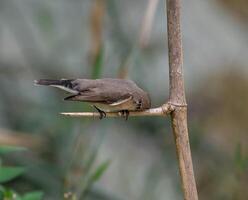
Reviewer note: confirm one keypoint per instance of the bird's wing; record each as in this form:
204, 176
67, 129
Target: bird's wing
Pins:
122, 102
101, 95
126, 104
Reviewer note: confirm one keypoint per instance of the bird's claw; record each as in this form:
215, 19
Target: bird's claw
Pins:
125, 113
102, 113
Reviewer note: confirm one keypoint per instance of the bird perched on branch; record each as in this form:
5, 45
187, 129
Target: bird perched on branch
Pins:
106, 95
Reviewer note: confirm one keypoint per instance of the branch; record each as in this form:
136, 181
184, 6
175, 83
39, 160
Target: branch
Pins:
177, 98
160, 111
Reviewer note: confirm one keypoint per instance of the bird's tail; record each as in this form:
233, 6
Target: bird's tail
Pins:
64, 84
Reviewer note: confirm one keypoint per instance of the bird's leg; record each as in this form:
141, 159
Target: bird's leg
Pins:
125, 113
102, 113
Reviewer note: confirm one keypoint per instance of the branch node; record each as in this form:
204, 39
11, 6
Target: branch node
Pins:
167, 108
173, 105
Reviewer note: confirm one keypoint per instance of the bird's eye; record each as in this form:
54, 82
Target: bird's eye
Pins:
74, 84
139, 104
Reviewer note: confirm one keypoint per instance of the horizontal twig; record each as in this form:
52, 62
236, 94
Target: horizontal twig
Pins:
159, 111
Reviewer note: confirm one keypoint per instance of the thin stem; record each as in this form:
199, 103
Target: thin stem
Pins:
177, 98
160, 111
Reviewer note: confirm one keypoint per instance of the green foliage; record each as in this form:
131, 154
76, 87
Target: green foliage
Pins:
33, 196
4, 149
97, 174
44, 19
240, 160
89, 180
9, 194
97, 65
11, 173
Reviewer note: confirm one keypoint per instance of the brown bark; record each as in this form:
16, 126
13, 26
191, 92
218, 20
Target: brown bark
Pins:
178, 100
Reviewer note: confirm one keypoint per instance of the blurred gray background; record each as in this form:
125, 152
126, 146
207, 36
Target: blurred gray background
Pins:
125, 39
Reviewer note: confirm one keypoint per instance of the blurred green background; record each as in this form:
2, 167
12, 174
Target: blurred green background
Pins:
111, 159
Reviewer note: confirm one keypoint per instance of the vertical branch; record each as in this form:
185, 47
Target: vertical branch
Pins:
177, 94
177, 98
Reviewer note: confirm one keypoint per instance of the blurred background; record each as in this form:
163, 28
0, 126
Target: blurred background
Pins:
111, 159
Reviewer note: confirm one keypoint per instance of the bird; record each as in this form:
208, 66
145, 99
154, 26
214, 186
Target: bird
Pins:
105, 95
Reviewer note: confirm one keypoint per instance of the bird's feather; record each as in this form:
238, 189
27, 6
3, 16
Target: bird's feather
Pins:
126, 104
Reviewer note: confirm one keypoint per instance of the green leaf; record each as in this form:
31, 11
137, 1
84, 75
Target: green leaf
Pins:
9, 173
97, 66
99, 171
10, 194
241, 161
9, 149
238, 157
95, 176
2, 189
37, 195
1, 194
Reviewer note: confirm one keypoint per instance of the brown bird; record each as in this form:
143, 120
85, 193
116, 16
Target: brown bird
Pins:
106, 95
